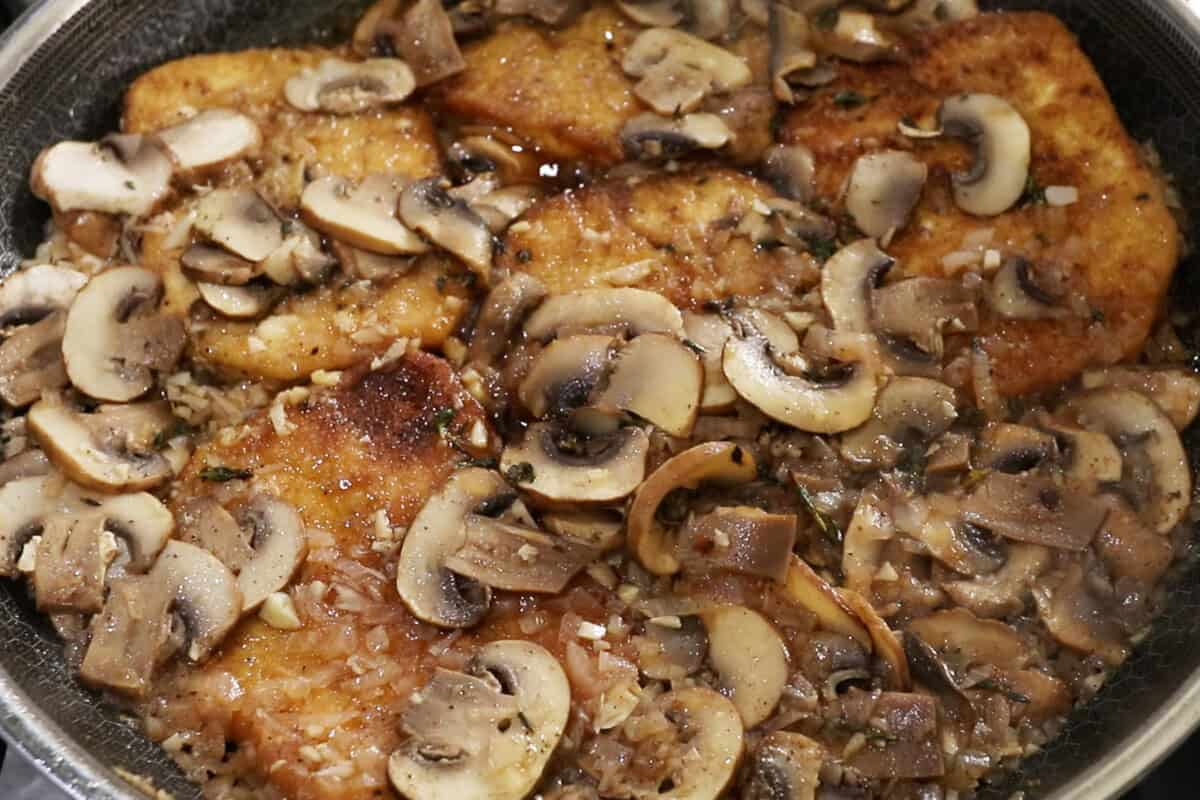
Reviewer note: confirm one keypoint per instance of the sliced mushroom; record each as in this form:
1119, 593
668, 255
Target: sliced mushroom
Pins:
485, 734
451, 224
862, 548
556, 13
1032, 508
300, 259
210, 140
709, 332
367, 266
908, 412
569, 467
738, 539
749, 658
24, 505
976, 641
719, 463
209, 264
651, 137
1076, 618
1000, 138
786, 766
1087, 456
564, 374
503, 312
424, 37
251, 301
964, 547
120, 174
279, 542
855, 36
883, 639
1004, 592
809, 590
1018, 291
516, 558
791, 170
711, 728
789, 50
911, 317
603, 529
27, 464
432, 592
922, 15
653, 13
114, 342
883, 191
31, 360
363, 215
678, 70
907, 744
630, 311
837, 401
847, 283
30, 294
205, 523
111, 450
1175, 390
656, 378
345, 87
188, 593
1155, 464
1013, 448
240, 221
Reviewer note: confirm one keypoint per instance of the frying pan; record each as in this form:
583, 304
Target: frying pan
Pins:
63, 68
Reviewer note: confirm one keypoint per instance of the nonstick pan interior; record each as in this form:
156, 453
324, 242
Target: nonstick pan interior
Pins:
71, 87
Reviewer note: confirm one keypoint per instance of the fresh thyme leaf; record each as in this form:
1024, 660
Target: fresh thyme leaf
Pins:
822, 249
849, 99
1034, 194
829, 529
520, 473
221, 474
695, 348
442, 419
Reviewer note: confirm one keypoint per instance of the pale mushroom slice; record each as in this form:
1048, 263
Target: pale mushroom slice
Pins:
251, 301
500, 318
711, 728
909, 412
429, 590
206, 263
449, 223
678, 70
710, 332
487, 733
279, 543
1087, 456
422, 34
564, 374
630, 311
565, 466
210, 140
786, 766
1020, 290
884, 189
654, 137
1176, 390
1001, 140
240, 221
848, 280
855, 36
115, 341
301, 258
789, 52
362, 215
883, 639
30, 294
120, 174
111, 450
656, 378
31, 361
1155, 463
517, 558
24, 505
188, 595
1033, 508
749, 658
791, 171
719, 463
822, 400
348, 87
809, 590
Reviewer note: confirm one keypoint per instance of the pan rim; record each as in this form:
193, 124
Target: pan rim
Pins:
27, 728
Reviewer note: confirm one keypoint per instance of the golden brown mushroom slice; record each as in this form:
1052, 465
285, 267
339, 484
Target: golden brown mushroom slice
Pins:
656, 378
809, 590
486, 733
721, 463
345, 87
749, 658
516, 558
739, 539
362, 214
1176, 390
785, 766
711, 730
188, 589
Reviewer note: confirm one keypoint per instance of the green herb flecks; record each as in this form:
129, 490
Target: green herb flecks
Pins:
848, 99
176, 429
1034, 194
442, 419
221, 474
520, 473
822, 249
829, 529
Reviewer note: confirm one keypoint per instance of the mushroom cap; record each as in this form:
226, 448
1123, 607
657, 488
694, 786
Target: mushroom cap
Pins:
239, 302
883, 191
1015, 293
204, 592
653, 137
103, 357
786, 766
211, 139
678, 70
809, 405
121, 174
809, 590
1145, 433
721, 463
906, 407
432, 592
788, 33
449, 223
22, 509
240, 221
633, 311
791, 170
31, 293
610, 466
209, 264
1001, 140
488, 734
517, 558
31, 360
280, 544
98, 455
502, 313
1176, 390
348, 87
714, 728
363, 216
657, 378
750, 660
710, 332
564, 374
847, 281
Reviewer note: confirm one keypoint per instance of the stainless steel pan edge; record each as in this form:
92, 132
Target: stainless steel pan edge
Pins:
57, 752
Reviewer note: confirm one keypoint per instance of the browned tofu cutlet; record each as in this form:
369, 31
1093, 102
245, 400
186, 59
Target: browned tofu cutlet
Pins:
1120, 238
